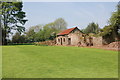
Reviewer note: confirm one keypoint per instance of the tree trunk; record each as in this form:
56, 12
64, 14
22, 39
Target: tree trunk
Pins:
4, 31
4, 40
0, 35
0, 30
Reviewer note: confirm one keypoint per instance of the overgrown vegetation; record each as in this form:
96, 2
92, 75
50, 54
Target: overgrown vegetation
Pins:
92, 28
40, 33
113, 29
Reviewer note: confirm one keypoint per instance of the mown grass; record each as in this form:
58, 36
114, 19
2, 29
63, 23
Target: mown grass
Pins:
29, 61
0, 62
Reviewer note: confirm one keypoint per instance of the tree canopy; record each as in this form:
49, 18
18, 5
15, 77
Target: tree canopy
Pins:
12, 18
92, 28
44, 32
18, 38
114, 24
49, 31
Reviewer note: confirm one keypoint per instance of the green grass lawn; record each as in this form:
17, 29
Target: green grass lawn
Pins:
0, 62
29, 61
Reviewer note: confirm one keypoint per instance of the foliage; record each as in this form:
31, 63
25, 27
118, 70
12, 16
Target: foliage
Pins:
114, 24
45, 32
12, 18
60, 24
92, 28
40, 44
30, 34
20, 43
18, 38
45, 43
107, 30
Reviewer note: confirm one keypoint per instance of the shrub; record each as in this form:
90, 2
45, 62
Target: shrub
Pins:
20, 43
45, 43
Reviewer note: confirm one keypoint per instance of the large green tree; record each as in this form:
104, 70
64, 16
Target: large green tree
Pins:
60, 24
12, 18
114, 25
115, 21
92, 28
46, 33
30, 34
18, 38
49, 31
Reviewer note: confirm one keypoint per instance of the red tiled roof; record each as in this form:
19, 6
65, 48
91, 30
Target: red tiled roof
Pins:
67, 31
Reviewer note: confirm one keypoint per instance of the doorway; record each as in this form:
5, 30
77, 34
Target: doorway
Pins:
61, 41
69, 41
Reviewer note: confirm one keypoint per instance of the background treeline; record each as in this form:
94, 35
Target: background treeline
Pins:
92, 28
40, 32
48, 31
111, 30
13, 20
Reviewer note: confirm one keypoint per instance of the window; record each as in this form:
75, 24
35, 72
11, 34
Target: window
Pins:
58, 40
64, 39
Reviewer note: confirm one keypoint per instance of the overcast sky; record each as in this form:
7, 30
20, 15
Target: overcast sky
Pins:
78, 14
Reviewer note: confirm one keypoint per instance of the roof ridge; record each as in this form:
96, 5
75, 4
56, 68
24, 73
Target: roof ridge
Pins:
67, 31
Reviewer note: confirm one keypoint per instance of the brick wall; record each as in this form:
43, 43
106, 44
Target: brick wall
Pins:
97, 41
75, 38
71, 39
62, 40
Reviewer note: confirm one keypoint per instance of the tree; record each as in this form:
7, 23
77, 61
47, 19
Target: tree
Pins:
18, 38
92, 28
114, 25
37, 28
60, 24
30, 34
49, 31
44, 34
115, 21
12, 18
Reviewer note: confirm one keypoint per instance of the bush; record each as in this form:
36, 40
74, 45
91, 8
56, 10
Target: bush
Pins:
41, 45
20, 43
45, 43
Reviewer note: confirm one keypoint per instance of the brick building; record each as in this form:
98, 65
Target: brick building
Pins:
70, 36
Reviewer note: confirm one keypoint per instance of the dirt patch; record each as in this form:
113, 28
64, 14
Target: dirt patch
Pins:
112, 46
